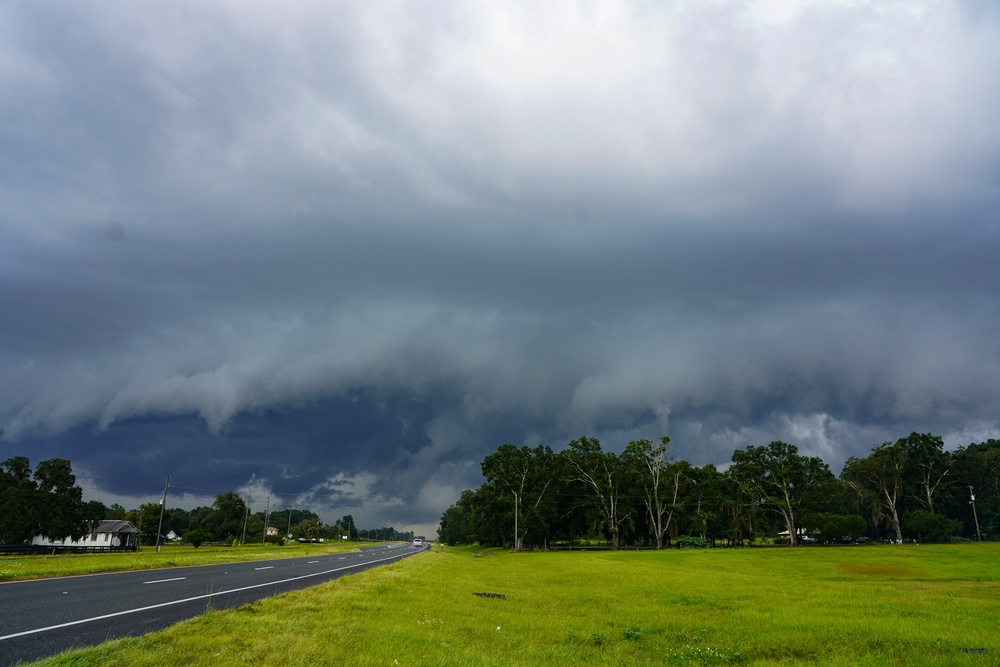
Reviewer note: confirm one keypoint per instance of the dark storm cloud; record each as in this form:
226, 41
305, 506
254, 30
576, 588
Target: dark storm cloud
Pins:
339, 254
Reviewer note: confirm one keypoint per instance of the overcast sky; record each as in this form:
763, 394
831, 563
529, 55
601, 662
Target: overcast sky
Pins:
335, 253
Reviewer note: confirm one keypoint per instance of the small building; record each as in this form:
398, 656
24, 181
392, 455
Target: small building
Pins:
271, 530
104, 535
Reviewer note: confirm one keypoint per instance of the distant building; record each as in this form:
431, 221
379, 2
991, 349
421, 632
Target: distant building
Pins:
271, 530
107, 534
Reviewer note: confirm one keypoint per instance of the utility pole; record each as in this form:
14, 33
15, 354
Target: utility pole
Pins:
515, 519
163, 507
245, 517
289, 521
267, 507
972, 501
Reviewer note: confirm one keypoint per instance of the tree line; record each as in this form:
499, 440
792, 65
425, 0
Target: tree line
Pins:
908, 489
47, 501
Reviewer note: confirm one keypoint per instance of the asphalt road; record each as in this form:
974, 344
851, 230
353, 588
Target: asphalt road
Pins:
43, 617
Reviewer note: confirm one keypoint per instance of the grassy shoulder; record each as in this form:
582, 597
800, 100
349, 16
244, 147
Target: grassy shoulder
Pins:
902, 605
37, 567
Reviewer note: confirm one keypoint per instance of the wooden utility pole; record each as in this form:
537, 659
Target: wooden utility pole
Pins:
267, 508
163, 507
972, 496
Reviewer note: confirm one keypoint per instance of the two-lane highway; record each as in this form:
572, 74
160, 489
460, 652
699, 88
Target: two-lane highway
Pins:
43, 617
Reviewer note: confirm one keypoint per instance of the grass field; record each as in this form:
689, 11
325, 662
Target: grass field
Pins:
35, 567
873, 605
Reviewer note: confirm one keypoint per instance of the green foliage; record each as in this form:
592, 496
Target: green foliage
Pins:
147, 520
689, 542
641, 498
834, 526
604, 476
781, 481
930, 527
46, 502
197, 537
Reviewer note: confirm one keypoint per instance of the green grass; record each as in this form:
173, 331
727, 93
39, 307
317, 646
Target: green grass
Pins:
36, 567
902, 605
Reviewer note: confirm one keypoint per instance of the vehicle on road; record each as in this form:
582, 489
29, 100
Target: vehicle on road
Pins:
417, 542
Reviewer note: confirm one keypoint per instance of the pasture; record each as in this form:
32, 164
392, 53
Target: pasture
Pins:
861, 605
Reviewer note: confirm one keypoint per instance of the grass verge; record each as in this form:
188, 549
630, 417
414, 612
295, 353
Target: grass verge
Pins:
902, 605
37, 567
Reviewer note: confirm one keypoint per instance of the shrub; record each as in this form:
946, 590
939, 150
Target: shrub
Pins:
931, 527
689, 542
197, 537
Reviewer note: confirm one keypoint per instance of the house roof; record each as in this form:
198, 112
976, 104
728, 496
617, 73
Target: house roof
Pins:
114, 526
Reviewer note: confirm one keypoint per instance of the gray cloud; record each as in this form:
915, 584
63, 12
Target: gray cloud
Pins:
340, 253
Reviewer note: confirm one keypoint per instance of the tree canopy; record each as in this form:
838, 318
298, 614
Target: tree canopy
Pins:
910, 488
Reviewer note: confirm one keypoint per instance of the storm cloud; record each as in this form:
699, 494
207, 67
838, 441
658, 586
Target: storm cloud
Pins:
336, 253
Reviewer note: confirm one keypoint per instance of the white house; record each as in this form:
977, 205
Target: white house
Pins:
107, 534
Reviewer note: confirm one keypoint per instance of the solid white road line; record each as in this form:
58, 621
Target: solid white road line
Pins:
269, 567
163, 581
173, 602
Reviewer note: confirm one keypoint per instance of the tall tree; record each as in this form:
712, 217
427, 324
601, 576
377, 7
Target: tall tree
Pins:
928, 464
780, 480
527, 475
661, 482
883, 472
347, 522
977, 472
60, 505
707, 515
18, 501
603, 474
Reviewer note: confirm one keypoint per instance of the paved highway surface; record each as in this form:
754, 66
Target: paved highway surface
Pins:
40, 618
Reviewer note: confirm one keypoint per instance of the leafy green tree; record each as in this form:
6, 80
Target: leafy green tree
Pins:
197, 537
180, 520
706, 515
18, 501
831, 526
781, 480
60, 501
347, 521
527, 475
455, 523
930, 527
663, 483
147, 520
928, 465
883, 475
255, 529
94, 512
603, 474
976, 471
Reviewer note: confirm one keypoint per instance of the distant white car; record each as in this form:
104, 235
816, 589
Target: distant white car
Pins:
418, 542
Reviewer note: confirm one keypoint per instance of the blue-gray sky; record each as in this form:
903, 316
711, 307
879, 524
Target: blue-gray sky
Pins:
338, 252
